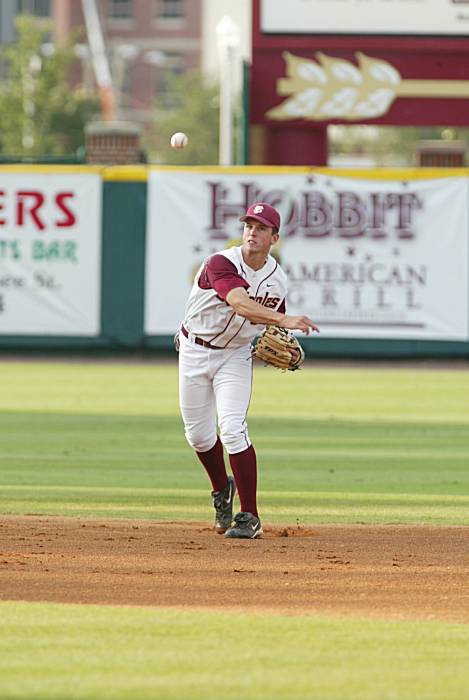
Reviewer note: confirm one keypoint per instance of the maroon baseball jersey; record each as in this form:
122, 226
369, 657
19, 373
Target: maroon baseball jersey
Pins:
211, 318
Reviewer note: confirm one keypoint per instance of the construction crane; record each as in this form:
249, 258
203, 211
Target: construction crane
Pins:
99, 60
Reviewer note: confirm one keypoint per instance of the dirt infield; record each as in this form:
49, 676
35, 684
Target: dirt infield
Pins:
395, 572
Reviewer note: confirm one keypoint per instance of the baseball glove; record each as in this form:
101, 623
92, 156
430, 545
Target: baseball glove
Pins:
278, 347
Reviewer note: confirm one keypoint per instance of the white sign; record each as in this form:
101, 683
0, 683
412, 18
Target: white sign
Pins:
50, 254
416, 17
364, 259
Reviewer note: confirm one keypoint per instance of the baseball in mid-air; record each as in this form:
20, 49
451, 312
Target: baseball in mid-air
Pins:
179, 140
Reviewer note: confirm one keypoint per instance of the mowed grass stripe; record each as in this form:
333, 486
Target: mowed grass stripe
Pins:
192, 494
170, 504
50, 651
324, 513
314, 392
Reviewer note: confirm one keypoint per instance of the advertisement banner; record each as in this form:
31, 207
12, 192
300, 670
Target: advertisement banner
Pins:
50, 254
415, 17
364, 258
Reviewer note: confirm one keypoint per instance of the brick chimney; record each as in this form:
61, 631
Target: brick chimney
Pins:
113, 143
441, 154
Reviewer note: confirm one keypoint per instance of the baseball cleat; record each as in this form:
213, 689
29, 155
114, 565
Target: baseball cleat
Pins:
223, 504
246, 526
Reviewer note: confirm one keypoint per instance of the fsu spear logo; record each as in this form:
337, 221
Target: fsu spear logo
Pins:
332, 88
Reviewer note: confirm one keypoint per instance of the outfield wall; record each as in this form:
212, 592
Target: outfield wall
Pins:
383, 270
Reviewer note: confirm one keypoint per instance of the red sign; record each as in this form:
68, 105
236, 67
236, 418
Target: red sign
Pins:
312, 80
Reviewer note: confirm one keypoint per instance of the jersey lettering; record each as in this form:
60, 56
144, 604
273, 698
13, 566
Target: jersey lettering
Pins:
267, 301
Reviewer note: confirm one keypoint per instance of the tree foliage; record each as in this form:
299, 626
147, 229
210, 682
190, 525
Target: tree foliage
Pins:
197, 115
40, 114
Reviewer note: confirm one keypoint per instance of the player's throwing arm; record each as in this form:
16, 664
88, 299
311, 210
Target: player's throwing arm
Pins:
244, 306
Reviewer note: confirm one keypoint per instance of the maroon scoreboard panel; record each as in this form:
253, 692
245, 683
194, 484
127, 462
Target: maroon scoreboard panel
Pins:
388, 62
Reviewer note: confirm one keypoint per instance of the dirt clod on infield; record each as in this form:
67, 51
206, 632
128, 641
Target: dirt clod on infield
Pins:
298, 531
387, 571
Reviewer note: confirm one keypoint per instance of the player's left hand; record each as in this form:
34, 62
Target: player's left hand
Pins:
278, 347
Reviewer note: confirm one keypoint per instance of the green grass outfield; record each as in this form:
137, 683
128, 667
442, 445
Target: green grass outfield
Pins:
335, 445
90, 652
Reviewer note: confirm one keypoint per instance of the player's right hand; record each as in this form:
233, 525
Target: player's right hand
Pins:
300, 323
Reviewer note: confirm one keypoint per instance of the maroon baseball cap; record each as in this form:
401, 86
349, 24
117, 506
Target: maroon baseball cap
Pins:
264, 213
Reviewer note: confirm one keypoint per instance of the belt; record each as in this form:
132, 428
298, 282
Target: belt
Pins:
200, 341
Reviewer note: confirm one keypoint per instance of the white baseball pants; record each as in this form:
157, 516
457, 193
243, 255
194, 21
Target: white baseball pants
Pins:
215, 383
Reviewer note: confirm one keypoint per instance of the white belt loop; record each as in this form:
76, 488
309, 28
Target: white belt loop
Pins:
191, 337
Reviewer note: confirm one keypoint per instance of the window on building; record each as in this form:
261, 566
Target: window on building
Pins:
121, 9
127, 82
171, 9
39, 8
166, 95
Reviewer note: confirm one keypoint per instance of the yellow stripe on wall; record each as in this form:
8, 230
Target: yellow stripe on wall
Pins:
139, 173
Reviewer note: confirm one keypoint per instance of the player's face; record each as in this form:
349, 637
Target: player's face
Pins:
258, 238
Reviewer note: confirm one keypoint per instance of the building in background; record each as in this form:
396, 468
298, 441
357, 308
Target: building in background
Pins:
147, 42
10, 8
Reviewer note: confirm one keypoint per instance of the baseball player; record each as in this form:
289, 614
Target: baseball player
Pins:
236, 293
